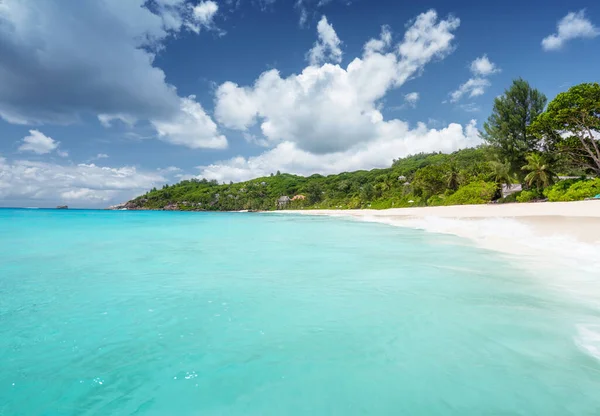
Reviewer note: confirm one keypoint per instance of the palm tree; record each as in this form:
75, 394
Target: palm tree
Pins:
453, 177
500, 175
540, 174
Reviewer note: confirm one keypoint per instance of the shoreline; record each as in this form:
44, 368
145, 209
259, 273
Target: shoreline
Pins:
548, 233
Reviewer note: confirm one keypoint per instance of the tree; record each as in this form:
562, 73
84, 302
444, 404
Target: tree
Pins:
314, 193
430, 181
540, 175
500, 174
367, 192
452, 177
506, 130
572, 125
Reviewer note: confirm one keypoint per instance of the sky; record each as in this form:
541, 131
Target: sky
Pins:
101, 100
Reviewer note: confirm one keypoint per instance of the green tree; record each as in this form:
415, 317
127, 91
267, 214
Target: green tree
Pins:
367, 192
540, 175
500, 174
452, 177
506, 130
429, 181
314, 192
572, 124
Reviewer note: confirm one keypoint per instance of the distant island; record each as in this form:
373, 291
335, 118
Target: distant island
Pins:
62, 207
531, 152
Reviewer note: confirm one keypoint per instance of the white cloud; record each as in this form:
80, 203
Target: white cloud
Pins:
62, 153
38, 142
475, 86
28, 183
64, 59
328, 108
411, 98
327, 47
203, 15
483, 67
470, 108
574, 25
192, 127
381, 44
169, 169
395, 140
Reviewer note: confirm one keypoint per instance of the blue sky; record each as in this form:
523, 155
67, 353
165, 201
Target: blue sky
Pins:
101, 100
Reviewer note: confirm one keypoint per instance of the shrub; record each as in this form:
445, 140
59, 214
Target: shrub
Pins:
510, 198
382, 204
474, 193
435, 201
527, 196
573, 190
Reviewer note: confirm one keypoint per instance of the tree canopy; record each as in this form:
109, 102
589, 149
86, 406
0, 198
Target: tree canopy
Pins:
572, 125
506, 129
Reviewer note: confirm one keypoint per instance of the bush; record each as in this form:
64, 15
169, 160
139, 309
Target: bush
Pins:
474, 193
527, 196
510, 198
435, 201
573, 190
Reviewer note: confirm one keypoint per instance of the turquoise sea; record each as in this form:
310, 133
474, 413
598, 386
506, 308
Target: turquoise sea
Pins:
168, 313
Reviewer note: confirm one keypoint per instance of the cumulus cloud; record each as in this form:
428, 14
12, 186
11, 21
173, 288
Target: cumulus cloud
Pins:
411, 99
192, 127
395, 140
65, 58
381, 44
574, 25
37, 142
475, 86
327, 119
483, 67
203, 15
27, 183
327, 47
328, 108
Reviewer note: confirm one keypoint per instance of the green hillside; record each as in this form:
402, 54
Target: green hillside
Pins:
527, 143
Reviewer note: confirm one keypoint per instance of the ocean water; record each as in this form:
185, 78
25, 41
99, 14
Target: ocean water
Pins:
163, 313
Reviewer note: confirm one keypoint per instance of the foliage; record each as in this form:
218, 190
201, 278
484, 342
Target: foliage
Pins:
573, 190
571, 124
517, 150
479, 192
500, 174
506, 128
528, 196
510, 198
540, 175
415, 178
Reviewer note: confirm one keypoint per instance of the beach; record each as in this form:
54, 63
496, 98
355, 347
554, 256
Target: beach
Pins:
564, 232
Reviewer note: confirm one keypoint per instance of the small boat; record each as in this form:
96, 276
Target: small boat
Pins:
62, 207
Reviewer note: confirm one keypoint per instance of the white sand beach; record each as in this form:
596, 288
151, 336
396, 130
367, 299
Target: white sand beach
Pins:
560, 231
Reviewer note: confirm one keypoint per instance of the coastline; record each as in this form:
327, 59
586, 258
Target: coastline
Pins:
547, 233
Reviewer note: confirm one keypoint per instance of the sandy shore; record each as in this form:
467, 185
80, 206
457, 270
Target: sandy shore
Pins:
569, 230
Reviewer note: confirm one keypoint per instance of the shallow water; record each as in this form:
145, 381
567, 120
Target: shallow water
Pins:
242, 314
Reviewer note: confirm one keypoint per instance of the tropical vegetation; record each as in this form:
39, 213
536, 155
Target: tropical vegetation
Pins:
552, 152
